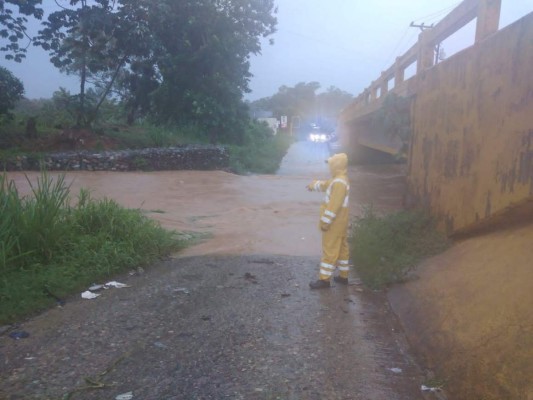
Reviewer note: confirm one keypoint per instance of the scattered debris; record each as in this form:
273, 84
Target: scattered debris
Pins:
138, 271
206, 318
160, 345
116, 284
396, 370
89, 295
125, 396
96, 381
182, 290
250, 278
19, 335
425, 388
285, 295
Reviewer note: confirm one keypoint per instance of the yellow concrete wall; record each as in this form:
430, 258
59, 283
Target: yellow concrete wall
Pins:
471, 155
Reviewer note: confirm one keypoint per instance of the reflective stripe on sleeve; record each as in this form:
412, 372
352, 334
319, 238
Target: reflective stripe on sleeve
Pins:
330, 214
325, 220
317, 186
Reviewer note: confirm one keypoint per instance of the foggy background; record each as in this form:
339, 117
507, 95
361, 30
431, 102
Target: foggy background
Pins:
342, 43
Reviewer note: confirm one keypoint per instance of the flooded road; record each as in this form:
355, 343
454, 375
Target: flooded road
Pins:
230, 318
259, 214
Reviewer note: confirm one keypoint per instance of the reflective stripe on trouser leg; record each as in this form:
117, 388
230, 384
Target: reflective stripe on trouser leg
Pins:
344, 258
326, 270
331, 246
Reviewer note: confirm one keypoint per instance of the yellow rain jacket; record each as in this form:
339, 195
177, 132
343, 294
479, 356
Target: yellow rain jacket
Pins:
334, 217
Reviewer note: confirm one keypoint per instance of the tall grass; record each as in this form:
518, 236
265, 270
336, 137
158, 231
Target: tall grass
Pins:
146, 135
261, 152
49, 246
384, 249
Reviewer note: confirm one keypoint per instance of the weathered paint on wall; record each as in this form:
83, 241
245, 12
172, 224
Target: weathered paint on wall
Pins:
471, 155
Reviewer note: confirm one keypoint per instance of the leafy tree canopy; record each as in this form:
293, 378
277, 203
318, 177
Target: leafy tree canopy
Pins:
181, 61
11, 90
13, 21
303, 101
202, 59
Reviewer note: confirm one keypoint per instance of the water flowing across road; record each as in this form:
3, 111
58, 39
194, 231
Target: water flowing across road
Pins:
256, 214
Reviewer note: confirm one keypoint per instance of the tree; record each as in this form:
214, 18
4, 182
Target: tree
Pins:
181, 61
302, 101
299, 100
77, 39
94, 42
11, 91
332, 101
201, 60
13, 27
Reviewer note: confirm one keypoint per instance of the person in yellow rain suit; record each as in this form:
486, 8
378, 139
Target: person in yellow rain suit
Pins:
334, 218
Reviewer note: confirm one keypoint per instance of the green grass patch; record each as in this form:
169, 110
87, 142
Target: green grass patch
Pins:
47, 244
146, 136
261, 152
385, 248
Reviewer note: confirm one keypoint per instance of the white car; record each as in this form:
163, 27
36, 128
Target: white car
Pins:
318, 137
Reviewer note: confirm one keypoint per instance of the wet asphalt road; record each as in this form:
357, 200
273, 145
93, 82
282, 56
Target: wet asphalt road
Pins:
215, 328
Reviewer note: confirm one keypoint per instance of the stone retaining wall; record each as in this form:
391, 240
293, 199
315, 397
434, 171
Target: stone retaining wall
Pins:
191, 157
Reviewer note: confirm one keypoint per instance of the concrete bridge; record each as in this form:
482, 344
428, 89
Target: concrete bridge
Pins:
470, 144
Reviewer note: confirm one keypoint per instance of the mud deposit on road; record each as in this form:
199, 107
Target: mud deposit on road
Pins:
215, 328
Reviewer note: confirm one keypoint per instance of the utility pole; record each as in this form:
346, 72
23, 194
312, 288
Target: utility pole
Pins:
422, 27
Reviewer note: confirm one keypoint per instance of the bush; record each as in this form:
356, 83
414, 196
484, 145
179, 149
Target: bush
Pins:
384, 249
261, 151
46, 245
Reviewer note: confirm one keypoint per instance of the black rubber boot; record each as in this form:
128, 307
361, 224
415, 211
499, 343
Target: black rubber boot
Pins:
341, 280
320, 284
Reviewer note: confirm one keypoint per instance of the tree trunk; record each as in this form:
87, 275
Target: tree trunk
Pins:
83, 76
109, 86
31, 128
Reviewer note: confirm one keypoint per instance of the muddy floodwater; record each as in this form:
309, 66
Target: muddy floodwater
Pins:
258, 214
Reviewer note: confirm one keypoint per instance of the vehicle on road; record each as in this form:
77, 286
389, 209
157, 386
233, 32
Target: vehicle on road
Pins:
318, 135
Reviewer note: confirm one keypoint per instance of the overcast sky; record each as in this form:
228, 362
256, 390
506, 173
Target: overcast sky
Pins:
342, 43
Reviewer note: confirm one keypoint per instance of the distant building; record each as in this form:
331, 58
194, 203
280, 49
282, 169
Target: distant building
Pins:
272, 123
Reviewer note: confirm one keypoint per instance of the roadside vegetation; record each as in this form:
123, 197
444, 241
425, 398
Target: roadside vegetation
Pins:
257, 151
49, 247
386, 248
260, 152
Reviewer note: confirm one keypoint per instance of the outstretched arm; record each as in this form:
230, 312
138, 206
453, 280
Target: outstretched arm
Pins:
317, 186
